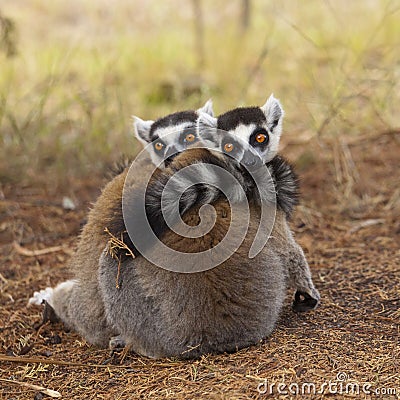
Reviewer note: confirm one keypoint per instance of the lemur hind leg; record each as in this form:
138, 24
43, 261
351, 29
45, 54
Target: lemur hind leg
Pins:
307, 296
79, 307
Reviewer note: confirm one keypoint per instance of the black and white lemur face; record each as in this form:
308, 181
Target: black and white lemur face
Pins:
250, 135
171, 134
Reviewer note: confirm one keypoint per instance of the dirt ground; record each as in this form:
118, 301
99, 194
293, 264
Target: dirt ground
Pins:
349, 226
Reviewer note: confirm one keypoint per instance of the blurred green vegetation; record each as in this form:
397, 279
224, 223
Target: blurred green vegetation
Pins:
82, 68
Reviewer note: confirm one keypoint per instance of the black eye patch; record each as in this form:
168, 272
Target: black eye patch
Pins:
259, 138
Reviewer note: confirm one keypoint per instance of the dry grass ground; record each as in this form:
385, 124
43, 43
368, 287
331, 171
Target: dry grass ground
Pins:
352, 244
83, 67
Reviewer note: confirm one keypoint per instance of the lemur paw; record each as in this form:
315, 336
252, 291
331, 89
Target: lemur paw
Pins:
116, 342
41, 297
305, 302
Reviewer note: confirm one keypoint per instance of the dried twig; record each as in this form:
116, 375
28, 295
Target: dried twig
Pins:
34, 253
37, 360
48, 392
113, 244
364, 224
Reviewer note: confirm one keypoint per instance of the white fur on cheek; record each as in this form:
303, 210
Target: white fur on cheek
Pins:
273, 146
243, 132
171, 134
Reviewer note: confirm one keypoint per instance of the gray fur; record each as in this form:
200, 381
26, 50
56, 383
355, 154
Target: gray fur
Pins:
165, 314
81, 308
159, 313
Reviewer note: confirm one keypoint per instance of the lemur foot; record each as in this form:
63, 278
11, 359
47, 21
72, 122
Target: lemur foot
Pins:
305, 302
116, 342
41, 297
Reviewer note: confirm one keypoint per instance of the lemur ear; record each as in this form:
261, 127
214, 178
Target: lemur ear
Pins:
142, 129
207, 108
206, 121
207, 126
273, 111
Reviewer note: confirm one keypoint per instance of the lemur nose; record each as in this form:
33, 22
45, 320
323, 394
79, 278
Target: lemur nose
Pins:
171, 151
250, 163
251, 160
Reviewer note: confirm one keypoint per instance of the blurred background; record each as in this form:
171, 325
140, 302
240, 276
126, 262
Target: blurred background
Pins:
73, 73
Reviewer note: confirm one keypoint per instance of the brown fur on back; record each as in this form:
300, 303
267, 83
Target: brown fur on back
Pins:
162, 313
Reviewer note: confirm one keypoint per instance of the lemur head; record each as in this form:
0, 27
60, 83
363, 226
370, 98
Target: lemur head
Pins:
171, 134
250, 135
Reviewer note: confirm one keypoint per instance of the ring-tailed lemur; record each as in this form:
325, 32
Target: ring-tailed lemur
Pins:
167, 135
260, 127
145, 318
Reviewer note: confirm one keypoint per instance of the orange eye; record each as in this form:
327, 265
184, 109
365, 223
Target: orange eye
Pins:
260, 138
228, 147
158, 146
190, 137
